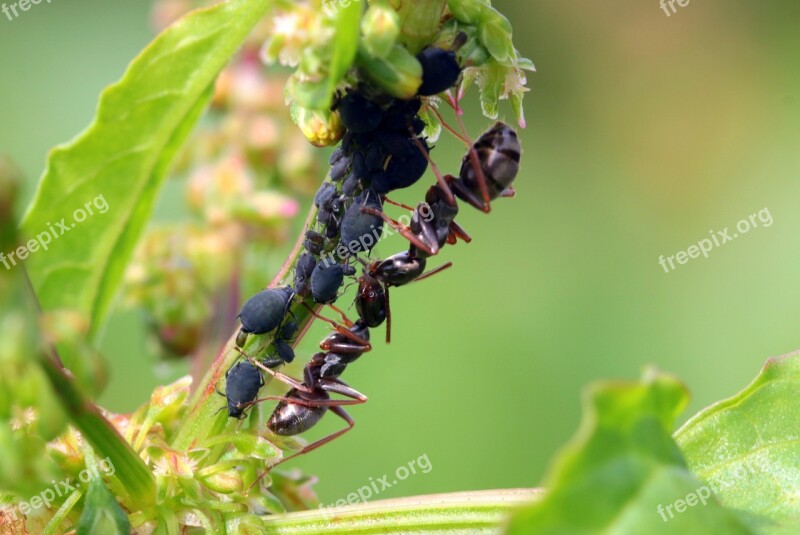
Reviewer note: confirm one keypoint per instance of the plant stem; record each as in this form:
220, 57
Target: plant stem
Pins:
467, 512
205, 402
134, 476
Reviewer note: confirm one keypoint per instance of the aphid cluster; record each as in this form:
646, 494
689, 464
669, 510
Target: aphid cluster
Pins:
382, 151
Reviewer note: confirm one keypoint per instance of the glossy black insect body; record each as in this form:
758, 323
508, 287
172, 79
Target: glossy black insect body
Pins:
302, 274
326, 279
314, 242
340, 163
361, 231
282, 341
440, 71
371, 302
405, 165
359, 114
242, 383
266, 310
494, 159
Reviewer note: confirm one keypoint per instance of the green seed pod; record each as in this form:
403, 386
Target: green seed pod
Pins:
399, 74
380, 28
225, 481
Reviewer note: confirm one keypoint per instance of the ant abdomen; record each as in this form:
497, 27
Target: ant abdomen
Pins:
499, 152
289, 419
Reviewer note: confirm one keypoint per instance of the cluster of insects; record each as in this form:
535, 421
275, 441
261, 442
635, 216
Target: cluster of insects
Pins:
382, 151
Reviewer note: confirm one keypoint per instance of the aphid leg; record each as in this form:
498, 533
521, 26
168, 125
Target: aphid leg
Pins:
403, 231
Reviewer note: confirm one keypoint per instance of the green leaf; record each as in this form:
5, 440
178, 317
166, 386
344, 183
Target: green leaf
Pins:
622, 473
102, 513
135, 480
748, 448
120, 161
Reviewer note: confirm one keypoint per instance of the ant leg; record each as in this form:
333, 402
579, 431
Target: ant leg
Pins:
433, 272
443, 184
398, 204
482, 181
403, 231
347, 333
338, 411
466, 195
311, 403
294, 383
459, 232
450, 129
388, 315
339, 311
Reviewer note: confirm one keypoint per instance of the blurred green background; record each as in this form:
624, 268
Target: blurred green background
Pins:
644, 132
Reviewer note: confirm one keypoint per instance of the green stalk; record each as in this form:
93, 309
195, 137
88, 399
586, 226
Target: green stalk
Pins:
55, 523
131, 472
202, 419
465, 512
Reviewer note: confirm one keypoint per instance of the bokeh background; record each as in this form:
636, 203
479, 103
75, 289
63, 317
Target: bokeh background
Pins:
644, 132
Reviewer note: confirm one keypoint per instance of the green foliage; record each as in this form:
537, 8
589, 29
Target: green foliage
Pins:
123, 156
621, 466
627, 474
749, 447
102, 513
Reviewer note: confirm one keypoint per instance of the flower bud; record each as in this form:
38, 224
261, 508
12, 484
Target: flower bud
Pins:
322, 128
380, 28
223, 481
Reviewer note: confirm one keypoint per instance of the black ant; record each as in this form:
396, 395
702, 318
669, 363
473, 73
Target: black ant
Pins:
372, 298
304, 405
